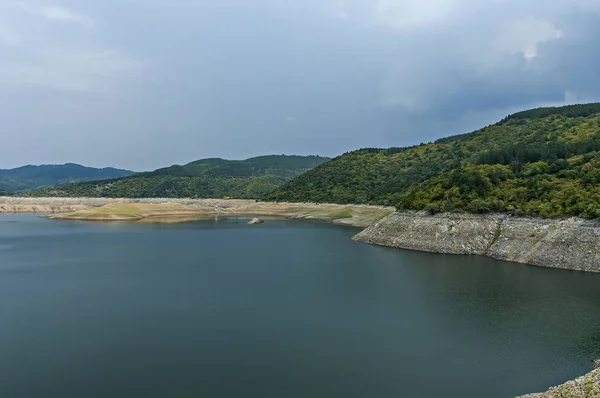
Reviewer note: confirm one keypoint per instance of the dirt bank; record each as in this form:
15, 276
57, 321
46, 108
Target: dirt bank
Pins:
31, 205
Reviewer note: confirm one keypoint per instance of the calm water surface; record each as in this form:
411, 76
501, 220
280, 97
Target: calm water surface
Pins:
282, 309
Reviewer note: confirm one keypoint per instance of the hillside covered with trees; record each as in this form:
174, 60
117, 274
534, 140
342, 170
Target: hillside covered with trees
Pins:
207, 178
543, 161
34, 177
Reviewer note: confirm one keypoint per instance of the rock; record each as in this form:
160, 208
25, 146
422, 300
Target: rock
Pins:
558, 243
587, 386
255, 221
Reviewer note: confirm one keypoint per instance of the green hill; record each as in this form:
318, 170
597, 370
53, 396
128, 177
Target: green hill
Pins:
207, 178
543, 161
34, 177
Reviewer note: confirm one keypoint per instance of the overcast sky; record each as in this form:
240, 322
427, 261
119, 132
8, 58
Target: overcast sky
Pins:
142, 84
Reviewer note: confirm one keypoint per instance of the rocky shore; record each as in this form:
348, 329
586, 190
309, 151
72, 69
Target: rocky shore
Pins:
571, 243
587, 386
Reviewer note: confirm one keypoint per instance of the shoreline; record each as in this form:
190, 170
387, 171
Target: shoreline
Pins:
566, 243
586, 386
181, 210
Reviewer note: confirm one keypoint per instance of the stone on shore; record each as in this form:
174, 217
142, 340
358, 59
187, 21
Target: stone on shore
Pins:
587, 386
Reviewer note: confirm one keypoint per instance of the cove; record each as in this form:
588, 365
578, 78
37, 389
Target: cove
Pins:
281, 309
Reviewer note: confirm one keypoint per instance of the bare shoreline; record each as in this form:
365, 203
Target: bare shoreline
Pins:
180, 210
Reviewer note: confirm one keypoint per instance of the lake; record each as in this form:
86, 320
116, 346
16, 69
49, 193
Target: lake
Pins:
281, 309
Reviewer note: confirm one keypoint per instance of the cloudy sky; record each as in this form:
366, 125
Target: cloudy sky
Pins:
142, 84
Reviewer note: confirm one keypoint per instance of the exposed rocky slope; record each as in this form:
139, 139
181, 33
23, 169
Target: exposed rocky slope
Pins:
50, 205
571, 243
587, 386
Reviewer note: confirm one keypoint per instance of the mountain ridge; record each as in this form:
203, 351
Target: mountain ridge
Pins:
31, 177
250, 178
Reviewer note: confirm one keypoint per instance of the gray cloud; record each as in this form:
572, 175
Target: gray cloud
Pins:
143, 84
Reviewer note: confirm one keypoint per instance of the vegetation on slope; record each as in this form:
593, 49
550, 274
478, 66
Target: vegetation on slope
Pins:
207, 178
543, 161
34, 177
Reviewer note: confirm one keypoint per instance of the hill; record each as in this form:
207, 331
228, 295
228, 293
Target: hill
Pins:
543, 161
34, 177
207, 178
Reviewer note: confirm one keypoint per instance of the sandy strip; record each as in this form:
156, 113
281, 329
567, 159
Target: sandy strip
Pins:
179, 210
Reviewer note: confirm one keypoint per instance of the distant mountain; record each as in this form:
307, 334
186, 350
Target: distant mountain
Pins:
207, 178
35, 177
544, 161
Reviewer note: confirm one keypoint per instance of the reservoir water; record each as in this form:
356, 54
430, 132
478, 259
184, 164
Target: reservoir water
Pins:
282, 309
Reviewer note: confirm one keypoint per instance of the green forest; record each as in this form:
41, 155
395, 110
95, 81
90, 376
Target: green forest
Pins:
207, 178
26, 178
543, 161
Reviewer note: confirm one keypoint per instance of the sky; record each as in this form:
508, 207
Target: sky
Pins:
142, 84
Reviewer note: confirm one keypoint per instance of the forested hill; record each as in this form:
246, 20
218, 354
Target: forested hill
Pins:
207, 178
35, 177
543, 161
